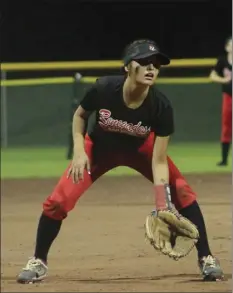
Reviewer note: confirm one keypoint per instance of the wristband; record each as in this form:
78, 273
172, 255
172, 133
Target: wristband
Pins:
162, 196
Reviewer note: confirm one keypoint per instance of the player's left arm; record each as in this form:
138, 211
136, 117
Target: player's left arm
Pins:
164, 127
165, 224
159, 160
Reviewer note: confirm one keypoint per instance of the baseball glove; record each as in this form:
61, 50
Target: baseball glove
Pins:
169, 232
173, 236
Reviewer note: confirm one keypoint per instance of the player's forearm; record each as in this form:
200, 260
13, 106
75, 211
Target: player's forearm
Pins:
161, 180
216, 78
160, 171
78, 129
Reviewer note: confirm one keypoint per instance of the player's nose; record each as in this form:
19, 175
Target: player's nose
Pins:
150, 66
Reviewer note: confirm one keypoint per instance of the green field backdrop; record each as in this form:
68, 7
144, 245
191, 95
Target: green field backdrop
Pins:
39, 120
40, 115
51, 162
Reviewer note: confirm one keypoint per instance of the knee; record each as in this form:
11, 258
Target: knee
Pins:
54, 210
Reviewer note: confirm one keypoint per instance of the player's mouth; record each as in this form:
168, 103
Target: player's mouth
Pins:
149, 76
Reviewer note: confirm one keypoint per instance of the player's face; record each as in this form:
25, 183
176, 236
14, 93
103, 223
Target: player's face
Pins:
229, 46
144, 71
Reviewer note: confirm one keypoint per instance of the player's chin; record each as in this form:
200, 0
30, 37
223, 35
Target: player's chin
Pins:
147, 81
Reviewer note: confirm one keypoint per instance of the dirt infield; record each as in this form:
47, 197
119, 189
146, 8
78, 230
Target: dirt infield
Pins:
101, 246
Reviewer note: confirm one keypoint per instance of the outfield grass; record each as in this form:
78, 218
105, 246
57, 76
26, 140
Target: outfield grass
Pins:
51, 162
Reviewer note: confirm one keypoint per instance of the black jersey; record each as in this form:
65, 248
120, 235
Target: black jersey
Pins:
115, 124
224, 68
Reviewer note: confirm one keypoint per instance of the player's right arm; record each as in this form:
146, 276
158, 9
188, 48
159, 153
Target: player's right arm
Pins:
216, 74
78, 128
80, 159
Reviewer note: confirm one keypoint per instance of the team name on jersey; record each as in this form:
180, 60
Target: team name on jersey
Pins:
108, 123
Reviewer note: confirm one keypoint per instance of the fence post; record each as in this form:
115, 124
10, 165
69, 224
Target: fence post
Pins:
4, 122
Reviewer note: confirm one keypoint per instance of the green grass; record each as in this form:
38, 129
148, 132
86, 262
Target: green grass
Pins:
51, 162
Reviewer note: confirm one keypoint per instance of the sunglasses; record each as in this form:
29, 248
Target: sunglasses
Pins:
148, 61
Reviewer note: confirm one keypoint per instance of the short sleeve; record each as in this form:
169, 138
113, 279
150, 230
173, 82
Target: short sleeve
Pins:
91, 98
163, 124
219, 66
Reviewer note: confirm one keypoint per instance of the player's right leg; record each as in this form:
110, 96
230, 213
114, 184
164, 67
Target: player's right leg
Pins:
55, 208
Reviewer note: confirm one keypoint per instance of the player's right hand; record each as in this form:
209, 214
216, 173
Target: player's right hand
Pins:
226, 79
79, 163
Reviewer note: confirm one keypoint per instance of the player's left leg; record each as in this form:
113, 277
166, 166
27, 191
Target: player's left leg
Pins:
184, 199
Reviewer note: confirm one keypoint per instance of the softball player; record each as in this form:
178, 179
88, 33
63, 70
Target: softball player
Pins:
222, 74
133, 124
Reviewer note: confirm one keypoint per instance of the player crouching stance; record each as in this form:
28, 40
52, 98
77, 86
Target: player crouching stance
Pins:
132, 128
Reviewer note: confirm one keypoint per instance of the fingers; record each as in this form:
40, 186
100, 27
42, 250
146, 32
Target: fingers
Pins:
69, 172
74, 173
88, 167
77, 173
82, 168
80, 172
77, 170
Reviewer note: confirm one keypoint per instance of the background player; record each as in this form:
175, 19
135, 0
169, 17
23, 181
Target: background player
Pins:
222, 74
129, 112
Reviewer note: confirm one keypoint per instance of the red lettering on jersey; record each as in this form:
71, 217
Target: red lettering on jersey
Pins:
114, 125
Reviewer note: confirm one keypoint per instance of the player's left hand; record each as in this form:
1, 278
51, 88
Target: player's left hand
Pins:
172, 235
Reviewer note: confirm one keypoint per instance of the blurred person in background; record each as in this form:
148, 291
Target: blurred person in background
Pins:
222, 74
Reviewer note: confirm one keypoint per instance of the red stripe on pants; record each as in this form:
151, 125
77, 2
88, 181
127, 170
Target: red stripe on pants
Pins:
66, 193
226, 131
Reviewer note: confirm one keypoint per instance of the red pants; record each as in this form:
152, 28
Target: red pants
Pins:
66, 193
226, 132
